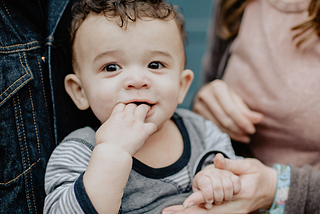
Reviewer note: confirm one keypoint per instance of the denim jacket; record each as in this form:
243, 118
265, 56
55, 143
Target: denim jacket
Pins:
35, 111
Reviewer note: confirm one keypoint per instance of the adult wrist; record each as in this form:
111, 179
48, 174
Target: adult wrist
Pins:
282, 190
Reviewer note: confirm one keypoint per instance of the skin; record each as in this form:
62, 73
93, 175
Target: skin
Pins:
116, 68
133, 79
212, 184
217, 102
258, 187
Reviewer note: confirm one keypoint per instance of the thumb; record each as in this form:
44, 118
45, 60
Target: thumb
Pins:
195, 198
237, 167
173, 209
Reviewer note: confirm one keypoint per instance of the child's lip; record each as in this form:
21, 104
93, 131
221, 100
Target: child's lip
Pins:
139, 102
151, 111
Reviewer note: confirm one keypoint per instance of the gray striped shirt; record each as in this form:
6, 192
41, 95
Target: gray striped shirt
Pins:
148, 190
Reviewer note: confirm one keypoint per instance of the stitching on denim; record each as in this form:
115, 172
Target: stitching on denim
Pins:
17, 81
36, 131
41, 76
43, 88
6, 9
20, 50
28, 43
26, 170
25, 143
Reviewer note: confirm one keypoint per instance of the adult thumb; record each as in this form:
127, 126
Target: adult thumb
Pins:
238, 167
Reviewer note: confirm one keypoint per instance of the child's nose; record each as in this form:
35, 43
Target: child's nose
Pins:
137, 82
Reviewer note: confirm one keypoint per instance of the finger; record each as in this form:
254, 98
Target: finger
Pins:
141, 111
208, 206
227, 189
130, 108
178, 209
202, 108
220, 161
225, 97
236, 184
219, 113
195, 198
202, 105
173, 209
118, 108
217, 191
253, 116
150, 128
235, 166
205, 184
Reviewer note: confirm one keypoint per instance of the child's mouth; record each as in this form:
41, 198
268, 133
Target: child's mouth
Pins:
140, 103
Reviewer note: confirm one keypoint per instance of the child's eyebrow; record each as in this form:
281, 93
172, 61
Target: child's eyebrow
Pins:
163, 53
113, 52
105, 53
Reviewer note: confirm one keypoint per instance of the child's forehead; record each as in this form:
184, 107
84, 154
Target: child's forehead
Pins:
97, 26
143, 38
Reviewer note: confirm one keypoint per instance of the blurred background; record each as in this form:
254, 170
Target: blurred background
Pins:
197, 14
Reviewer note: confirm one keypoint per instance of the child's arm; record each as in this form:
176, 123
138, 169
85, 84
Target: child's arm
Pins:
213, 185
106, 169
118, 139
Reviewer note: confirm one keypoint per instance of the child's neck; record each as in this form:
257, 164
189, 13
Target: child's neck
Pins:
162, 148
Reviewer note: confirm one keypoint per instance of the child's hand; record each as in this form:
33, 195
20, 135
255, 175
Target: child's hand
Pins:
213, 185
126, 127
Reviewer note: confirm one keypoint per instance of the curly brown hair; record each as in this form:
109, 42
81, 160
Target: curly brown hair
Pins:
126, 11
232, 10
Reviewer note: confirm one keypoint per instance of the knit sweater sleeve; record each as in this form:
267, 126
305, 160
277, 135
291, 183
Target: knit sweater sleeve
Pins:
304, 193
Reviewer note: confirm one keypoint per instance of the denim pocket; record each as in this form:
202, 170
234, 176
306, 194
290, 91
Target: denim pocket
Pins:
18, 127
14, 69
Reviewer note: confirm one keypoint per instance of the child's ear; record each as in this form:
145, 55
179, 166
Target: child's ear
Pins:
186, 79
75, 90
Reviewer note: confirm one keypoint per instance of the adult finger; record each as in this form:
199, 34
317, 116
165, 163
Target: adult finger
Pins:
225, 97
235, 166
217, 110
253, 116
202, 109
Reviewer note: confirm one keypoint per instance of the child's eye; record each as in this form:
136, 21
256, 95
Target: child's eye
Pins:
155, 65
111, 67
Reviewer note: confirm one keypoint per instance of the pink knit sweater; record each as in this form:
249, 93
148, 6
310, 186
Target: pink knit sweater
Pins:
282, 81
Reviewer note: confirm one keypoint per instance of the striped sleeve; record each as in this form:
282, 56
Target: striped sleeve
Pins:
65, 167
217, 140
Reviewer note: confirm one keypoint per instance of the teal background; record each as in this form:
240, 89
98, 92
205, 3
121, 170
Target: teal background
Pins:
197, 14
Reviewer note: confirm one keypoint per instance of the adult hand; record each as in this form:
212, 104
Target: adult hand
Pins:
258, 187
217, 102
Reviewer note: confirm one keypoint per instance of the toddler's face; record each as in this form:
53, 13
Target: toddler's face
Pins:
142, 63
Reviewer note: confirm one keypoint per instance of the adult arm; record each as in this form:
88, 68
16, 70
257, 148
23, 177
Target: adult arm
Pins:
304, 192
